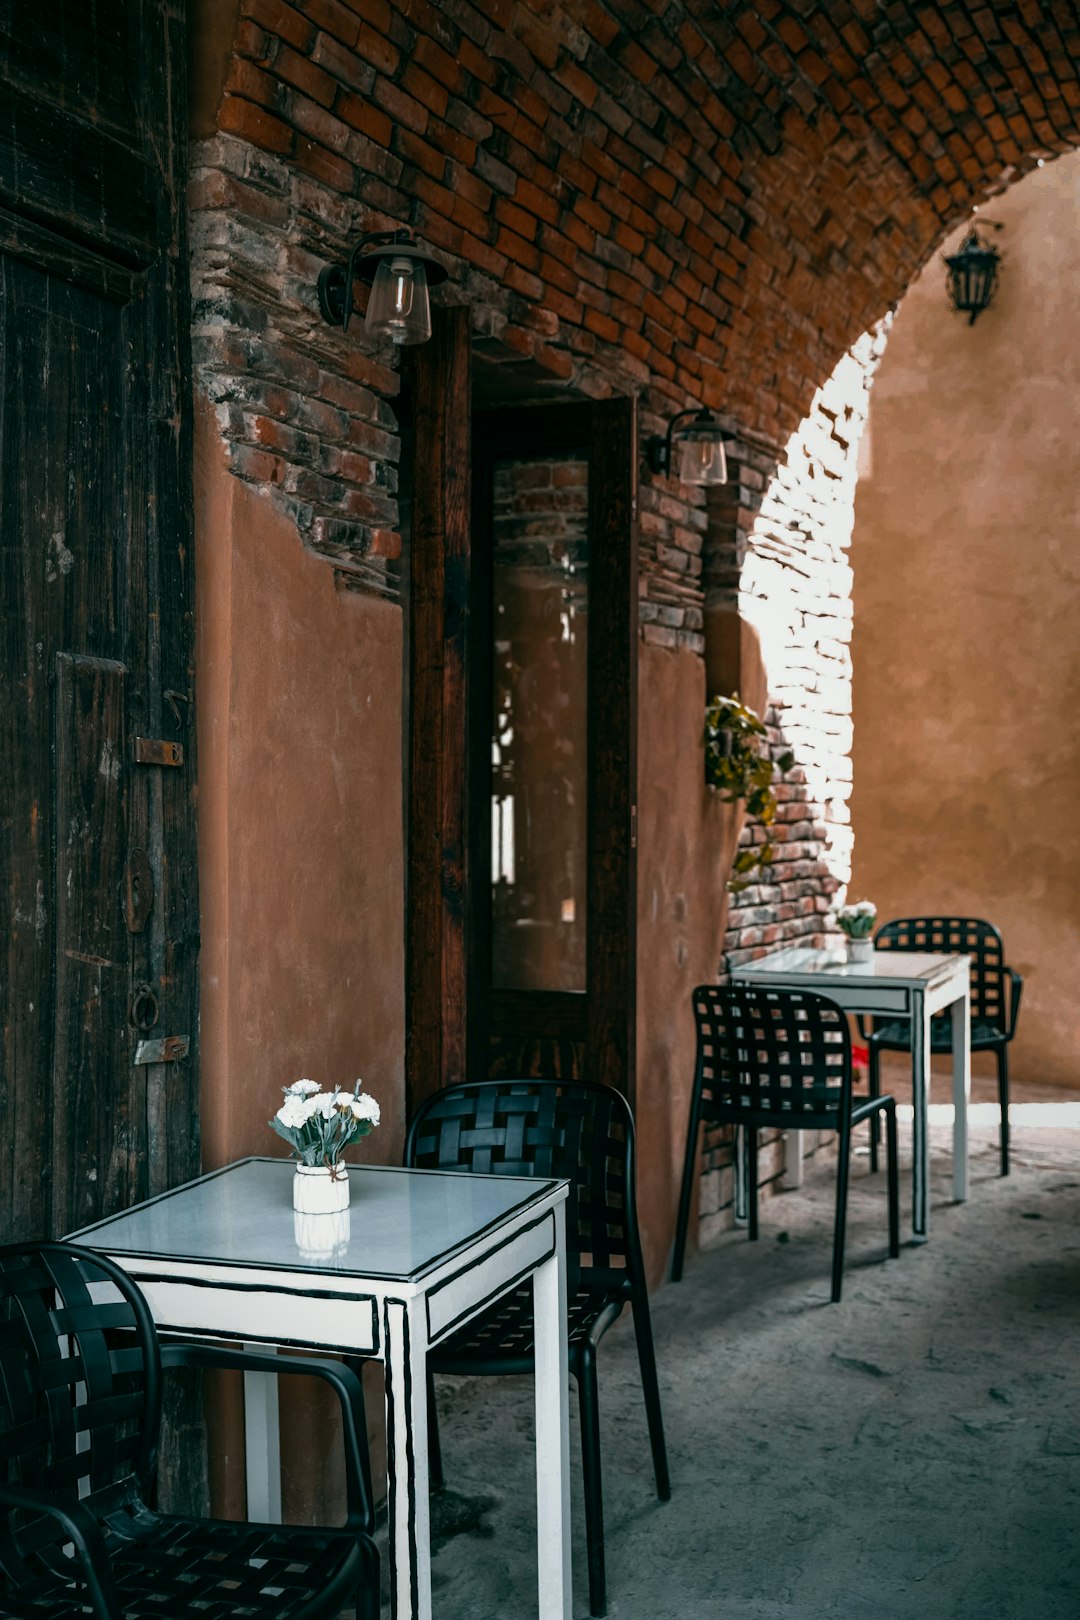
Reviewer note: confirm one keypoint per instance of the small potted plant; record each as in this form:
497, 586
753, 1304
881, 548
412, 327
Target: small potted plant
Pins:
318, 1126
856, 923
738, 762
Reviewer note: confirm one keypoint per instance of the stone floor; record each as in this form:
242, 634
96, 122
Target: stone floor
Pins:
912, 1453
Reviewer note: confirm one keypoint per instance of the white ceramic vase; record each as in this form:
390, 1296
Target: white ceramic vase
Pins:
860, 950
319, 1191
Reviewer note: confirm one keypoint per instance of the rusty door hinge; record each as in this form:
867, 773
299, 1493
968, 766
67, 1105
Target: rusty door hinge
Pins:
156, 751
169, 1049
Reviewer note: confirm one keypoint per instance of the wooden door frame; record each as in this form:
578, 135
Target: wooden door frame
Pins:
446, 1026
436, 798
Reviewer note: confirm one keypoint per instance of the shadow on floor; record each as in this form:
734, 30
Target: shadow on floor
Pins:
910, 1454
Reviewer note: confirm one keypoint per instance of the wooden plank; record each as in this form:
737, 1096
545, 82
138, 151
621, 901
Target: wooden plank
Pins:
71, 175
90, 1041
439, 585
48, 250
563, 1013
612, 787
81, 50
61, 455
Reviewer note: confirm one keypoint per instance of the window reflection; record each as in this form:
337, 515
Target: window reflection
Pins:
538, 761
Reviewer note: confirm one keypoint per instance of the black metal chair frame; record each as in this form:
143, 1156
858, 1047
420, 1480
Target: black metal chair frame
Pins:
80, 1414
584, 1133
993, 1017
772, 1057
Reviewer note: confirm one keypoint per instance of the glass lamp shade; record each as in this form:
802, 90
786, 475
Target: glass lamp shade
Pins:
398, 307
701, 456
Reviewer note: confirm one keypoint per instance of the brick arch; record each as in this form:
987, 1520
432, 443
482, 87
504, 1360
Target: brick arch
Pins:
880, 128
709, 204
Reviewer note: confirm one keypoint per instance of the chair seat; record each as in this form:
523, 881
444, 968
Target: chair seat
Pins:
896, 1037
505, 1332
209, 1570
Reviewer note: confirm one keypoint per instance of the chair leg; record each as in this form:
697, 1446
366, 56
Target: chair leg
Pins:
594, 1494
651, 1390
686, 1193
1003, 1098
873, 1075
843, 1165
893, 1160
369, 1598
751, 1178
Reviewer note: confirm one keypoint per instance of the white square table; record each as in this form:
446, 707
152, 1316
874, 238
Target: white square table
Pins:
895, 984
421, 1252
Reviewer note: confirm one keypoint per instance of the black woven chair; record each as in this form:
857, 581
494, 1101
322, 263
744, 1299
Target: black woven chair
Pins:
993, 1013
779, 1058
583, 1133
80, 1410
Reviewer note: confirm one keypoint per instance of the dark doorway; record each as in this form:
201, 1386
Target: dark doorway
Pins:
98, 1090
552, 732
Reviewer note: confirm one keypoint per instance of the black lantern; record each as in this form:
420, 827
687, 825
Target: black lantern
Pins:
700, 439
399, 275
973, 274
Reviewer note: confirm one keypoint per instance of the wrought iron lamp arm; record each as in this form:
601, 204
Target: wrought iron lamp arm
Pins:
340, 280
659, 449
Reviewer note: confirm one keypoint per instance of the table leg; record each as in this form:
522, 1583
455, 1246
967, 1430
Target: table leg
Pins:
794, 1142
552, 1431
920, 1148
262, 1445
741, 1154
408, 1512
961, 1045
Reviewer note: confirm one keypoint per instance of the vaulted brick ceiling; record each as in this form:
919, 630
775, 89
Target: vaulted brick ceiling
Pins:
699, 200
819, 153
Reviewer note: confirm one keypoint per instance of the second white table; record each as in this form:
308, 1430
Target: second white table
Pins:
895, 984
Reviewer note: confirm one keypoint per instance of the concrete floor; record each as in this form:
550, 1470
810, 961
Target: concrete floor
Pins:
912, 1453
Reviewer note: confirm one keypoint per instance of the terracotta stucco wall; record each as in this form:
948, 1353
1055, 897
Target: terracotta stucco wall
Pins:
685, 845
300, 825
967, 598
301, 867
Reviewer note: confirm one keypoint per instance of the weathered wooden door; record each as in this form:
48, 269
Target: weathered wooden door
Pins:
98, 990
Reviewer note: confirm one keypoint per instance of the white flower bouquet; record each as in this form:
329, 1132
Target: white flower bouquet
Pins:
857, 920
319, 1125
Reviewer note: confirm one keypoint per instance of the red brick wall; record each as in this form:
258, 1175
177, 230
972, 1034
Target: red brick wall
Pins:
793, 582
704, 203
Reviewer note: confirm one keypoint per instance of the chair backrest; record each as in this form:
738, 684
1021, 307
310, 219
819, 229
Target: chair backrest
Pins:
967, 936
773, 1056
573, 1130
80, 1384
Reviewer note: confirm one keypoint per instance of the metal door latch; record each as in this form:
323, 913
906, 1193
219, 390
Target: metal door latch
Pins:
157, 751
169, 1049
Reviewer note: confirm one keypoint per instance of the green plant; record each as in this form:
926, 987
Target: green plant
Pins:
739, 765
857, 920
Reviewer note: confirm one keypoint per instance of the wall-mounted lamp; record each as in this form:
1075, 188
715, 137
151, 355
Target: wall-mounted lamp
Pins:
972, 273
399, 275
700, 441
